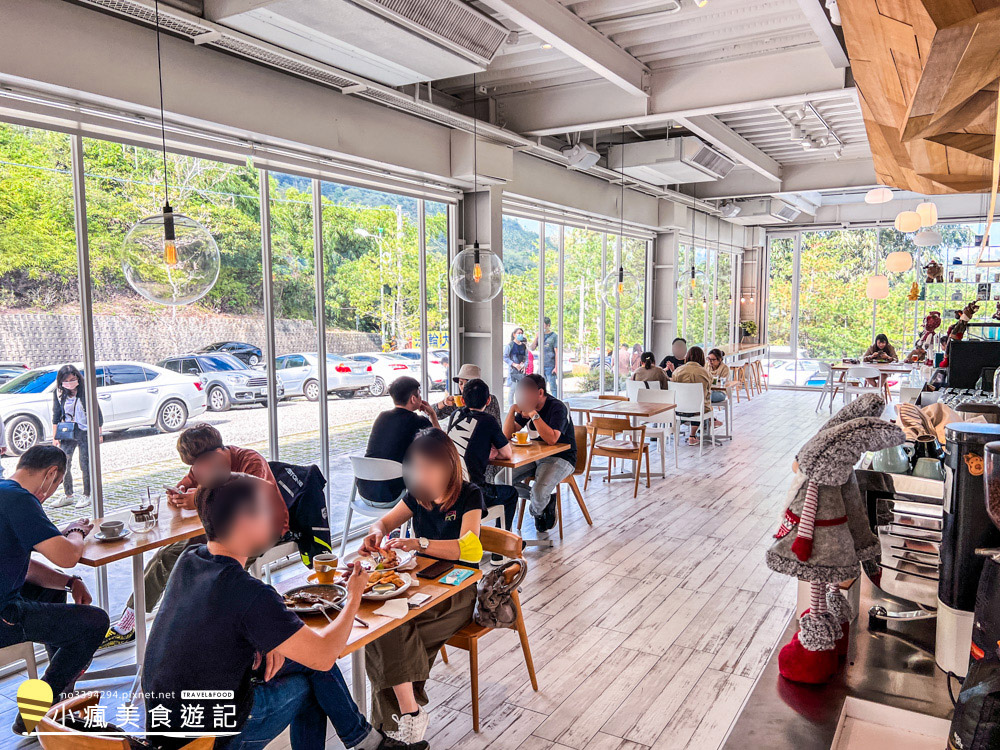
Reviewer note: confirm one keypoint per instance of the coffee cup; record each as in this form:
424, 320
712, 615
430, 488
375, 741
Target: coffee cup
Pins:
521, 438
111, 529
324, 568
928, 468
459, 401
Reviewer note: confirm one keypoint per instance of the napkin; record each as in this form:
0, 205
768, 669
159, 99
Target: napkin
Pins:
394, 608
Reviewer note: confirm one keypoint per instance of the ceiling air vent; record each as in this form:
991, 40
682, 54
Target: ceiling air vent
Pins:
670, 161
766, 211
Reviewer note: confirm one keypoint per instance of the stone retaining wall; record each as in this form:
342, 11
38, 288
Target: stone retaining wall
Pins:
39, 339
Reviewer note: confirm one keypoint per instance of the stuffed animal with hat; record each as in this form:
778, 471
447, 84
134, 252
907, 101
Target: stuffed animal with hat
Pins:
825, 536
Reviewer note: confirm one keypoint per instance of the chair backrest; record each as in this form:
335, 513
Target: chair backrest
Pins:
657, 396
581, 448
863, 372
690, 397
610, 424
375, 469
634, 387
500, 542
612, 397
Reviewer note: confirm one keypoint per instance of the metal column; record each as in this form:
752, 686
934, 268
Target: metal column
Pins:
267, 273
559, 310
324, 416
87, 337
619, 247
425, 381
601, 328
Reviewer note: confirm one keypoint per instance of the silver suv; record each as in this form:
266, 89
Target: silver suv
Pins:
227, 381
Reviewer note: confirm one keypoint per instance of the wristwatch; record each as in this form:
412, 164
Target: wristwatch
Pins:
69, 583
423, 542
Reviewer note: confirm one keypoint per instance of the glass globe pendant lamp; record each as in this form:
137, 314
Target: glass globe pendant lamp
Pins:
620, 289
476, 274
169, 258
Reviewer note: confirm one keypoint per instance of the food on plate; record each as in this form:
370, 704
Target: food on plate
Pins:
383, 577
305, 599
386, 559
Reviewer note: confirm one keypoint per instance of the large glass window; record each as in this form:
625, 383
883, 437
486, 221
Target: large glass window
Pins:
581, 308
521, 243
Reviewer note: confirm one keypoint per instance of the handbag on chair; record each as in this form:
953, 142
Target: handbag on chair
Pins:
494, 605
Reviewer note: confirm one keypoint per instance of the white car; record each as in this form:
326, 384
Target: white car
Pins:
437, 370
300, 374
387, 367
131, 394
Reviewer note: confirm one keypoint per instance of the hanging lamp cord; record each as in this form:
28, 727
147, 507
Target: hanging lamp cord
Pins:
163, 129
621, 217
475, 157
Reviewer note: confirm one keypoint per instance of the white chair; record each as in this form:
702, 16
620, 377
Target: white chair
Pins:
261, 568
660, 424
830, 386
691, 403
375, 470
855, 382
17, 652
633, 387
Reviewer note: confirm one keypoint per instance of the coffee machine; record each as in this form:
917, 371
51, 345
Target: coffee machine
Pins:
966, 526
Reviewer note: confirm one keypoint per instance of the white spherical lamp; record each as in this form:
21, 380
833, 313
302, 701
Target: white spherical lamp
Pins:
876, 196
908, 221
877, 287
927, 238
898, 262
928, 214
170, 258
476, 274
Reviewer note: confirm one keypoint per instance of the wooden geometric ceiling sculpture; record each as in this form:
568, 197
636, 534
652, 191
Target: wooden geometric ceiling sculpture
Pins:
927, 73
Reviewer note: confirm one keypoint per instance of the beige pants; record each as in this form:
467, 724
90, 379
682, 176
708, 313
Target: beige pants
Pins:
407, 653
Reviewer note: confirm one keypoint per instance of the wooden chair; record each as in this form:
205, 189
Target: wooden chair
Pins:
612, 397
758, 370
581, 466
57, 736
17, 652
508, 544
612, 448
739, 377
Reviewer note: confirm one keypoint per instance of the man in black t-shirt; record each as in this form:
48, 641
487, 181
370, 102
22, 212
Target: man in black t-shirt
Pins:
478, 438
216, 659
546, 419
678, 353
392, 434
33, 604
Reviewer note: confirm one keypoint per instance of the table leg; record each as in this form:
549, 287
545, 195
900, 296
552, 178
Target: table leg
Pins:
359, 683
139, 594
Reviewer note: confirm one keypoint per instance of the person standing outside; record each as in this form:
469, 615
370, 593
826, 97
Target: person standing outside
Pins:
70, 425
515, 357
550, 351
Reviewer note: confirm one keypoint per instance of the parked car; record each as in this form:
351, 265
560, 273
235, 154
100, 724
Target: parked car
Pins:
437, 370
387, 368
9, 373
248, 353
131, 394
227, 380
300, 374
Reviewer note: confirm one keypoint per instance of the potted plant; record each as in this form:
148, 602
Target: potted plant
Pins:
748, 329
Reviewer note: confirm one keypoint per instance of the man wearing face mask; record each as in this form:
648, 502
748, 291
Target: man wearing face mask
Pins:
32, 595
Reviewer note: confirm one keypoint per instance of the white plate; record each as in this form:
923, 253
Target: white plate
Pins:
407, 582
403, 558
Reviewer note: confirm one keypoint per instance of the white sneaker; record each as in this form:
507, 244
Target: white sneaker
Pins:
62, 502
410, 729
83, 502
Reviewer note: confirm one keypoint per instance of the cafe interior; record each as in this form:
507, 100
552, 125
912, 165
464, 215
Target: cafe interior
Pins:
734, 260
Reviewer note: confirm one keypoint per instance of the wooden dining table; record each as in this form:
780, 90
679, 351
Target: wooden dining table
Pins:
379, 625
522, 456
172, 525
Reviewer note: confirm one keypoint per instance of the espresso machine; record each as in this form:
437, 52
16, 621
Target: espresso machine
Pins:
966, 527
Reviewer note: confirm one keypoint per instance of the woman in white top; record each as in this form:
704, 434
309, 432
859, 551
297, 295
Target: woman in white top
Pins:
70, 425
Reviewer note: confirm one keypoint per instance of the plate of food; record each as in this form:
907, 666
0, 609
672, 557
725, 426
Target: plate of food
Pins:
303, 599
385, 584
388, 559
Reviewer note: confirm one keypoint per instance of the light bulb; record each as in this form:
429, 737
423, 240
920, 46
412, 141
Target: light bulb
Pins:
477, 273
169, 237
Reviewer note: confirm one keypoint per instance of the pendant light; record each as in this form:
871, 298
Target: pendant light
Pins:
899, 262
928, 214
476, 273
879, 195
908, 221
877, 286
619, 289
169, 258
927, 238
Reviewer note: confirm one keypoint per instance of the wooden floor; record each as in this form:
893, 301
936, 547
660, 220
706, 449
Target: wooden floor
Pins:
649, 628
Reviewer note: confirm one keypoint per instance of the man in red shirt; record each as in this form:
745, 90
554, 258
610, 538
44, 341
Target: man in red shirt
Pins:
211, 462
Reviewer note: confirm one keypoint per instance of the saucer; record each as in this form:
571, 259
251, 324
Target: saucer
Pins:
99, 536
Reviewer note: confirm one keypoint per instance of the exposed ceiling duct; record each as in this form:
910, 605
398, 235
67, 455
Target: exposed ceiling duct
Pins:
766, 211
671, 161
395, 42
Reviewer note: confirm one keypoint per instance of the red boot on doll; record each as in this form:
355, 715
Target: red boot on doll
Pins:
811, 656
